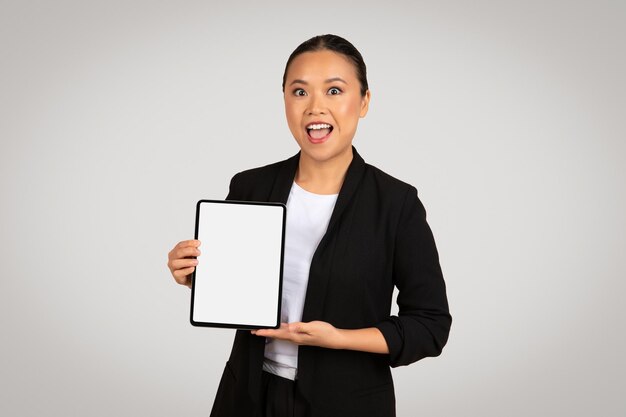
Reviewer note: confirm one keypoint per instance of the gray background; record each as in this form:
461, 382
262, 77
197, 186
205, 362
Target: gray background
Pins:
116, 116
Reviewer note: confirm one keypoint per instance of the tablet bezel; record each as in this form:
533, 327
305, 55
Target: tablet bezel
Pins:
240, 326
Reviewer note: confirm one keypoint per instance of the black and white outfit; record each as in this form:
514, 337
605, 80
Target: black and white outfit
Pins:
343, 256
308, 215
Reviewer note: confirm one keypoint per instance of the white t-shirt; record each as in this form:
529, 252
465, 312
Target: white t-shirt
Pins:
308, 215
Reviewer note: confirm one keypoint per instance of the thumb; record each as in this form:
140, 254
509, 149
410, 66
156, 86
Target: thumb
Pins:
297, 327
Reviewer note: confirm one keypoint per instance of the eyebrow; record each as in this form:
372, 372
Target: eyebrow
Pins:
330, 80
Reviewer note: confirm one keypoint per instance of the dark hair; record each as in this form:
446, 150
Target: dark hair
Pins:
336, 44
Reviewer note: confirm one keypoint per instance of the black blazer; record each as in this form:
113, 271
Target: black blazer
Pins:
377, 238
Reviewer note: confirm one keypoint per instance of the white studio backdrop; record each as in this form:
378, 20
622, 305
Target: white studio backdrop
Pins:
117, 116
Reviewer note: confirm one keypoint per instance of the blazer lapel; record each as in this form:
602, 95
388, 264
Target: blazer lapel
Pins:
321, 264
321, 271
349, 187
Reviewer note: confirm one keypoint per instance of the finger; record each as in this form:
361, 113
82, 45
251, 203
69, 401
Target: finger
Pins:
186, 283
177, 264
182, 245
188, 243
183, 272
184, 253
282, 332
298, 327
268, 332
182, 276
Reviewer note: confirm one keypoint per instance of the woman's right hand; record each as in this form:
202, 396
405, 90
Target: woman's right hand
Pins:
182, 261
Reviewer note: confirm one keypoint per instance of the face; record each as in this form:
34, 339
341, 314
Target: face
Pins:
323, 104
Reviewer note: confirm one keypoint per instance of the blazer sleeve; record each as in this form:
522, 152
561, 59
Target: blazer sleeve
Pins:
423, 323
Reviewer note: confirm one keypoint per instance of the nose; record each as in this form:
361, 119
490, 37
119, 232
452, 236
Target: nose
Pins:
316, 105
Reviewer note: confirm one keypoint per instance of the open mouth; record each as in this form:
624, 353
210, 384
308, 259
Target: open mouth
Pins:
318, 131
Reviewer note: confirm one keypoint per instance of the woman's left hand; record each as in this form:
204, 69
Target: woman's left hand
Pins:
313, 333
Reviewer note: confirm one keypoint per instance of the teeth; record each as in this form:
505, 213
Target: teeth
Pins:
319, 126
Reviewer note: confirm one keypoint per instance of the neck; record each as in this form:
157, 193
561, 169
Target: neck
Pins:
323, 177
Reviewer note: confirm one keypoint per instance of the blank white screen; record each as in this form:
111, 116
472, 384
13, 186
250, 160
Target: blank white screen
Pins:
237, 279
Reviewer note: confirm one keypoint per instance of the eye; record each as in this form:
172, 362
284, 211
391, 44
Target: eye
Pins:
298, 92
333, 91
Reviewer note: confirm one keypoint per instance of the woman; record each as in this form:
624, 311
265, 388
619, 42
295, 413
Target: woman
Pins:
353, 233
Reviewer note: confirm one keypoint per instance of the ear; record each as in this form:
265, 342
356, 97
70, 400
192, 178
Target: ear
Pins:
365, 104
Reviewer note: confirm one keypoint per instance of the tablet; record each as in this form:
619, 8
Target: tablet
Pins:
238, 280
